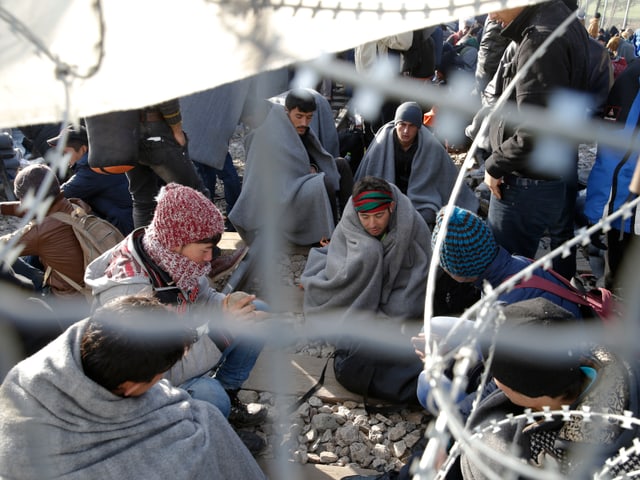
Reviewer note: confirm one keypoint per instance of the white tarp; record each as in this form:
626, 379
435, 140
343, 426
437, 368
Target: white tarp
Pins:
119, 54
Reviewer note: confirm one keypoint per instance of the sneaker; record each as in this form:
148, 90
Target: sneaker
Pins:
254, 442
225, 264
246, 415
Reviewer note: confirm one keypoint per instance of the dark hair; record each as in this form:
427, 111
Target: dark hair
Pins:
301, 99
132, 339
31, 177
370, 183
212, 240
597, 15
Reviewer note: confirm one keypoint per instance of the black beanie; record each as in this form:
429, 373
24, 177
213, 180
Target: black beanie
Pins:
527, 368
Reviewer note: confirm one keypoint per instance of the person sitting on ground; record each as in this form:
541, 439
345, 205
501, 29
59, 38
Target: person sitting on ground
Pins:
405, 153
470, 254
172, 257
374, 270
285, 156
93, 403
108, 195
51, 241
377, 257
538, 362
589, 378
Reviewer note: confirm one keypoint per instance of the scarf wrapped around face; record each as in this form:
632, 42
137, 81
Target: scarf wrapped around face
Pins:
184, 272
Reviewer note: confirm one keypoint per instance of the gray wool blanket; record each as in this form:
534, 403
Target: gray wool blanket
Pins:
322, 123
357, 272
278, 184
210, 117
433, 173
57, 423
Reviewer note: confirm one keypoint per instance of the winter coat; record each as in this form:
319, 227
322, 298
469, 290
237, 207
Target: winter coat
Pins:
565, 65
108, 195
120, 272
53, 242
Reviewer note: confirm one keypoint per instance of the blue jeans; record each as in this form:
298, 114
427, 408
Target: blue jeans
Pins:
229, 177
231, 371
527, 210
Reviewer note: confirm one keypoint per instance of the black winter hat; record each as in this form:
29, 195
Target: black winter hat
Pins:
524, 362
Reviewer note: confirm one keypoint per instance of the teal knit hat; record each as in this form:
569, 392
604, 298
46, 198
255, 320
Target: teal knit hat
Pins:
469, 246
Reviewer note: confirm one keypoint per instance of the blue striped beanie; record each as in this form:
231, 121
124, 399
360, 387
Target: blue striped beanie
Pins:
469, 246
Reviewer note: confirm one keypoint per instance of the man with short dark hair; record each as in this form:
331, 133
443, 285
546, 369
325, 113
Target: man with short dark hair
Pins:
92, 404
285, 158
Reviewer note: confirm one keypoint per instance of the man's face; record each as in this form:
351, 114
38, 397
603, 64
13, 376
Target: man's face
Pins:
74, 155
376, 223
201, 253
406, 133
300, 120
505, 17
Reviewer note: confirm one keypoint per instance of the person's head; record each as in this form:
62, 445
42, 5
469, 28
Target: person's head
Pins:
77, 142
407, 121
31, 177
613, 44
130, 342
372, 200
506, 16
597, 15
300, 105
531, 376
187, 222
469, 246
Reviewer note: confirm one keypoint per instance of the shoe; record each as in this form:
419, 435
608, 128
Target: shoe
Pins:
245, 415
254, 442
225, 264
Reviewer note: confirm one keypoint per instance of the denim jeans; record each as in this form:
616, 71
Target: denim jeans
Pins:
231, 371
229, 177
527, 210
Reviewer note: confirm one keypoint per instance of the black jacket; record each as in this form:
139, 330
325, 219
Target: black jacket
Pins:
565, 65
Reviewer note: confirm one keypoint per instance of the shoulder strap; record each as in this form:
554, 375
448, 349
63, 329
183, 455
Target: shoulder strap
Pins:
569, 293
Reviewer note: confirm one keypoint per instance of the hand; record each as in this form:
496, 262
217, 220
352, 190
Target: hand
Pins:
240, 305
493, 184
418, 343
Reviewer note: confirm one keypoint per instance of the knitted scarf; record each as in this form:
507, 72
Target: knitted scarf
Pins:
183, 271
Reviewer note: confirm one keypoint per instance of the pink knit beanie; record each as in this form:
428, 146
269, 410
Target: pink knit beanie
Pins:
184, 215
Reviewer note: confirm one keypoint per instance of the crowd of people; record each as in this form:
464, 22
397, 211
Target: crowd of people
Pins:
146, 373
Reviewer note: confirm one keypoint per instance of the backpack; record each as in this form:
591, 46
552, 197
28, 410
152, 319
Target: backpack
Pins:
95, 235
594, 302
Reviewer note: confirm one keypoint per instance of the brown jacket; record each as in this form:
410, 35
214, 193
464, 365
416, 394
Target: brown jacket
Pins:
53, 242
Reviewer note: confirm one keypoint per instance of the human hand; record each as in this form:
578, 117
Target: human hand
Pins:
240, 305
418, 343
493, 184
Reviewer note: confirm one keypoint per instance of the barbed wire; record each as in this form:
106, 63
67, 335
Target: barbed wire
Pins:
446, 424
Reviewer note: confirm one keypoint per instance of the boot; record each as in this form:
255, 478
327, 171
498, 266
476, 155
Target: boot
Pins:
245, 415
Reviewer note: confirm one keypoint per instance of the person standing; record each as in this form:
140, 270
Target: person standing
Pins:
530, 198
